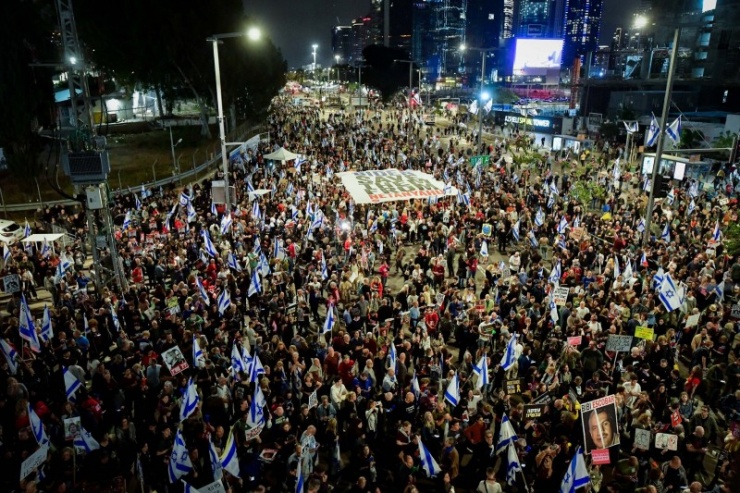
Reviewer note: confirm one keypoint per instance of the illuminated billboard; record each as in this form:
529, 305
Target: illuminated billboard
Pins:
537, 56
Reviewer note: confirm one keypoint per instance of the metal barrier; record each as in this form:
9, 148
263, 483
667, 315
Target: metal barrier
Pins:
31, 206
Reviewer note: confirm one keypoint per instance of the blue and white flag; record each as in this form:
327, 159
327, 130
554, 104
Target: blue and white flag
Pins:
692, 207
647, 184
484, 249
694, 189
189, 401
562, 225
299, 477
452, 394
328, 321
207, 243
719, 289
554, 315
224, 300
671, 196
515, 230
214, 211
233, 263
551, 201
256, 370
180, 463
577, 475
641, 225
250, 187
717, 233
617, 270
11, 356
46, 331
188, 488
658, 278
202, 291
627, 275
428, 463
392, 357
653, 132
192, 215
669, 294
324, 268
513, 466
7, 258
553, 188
561, 243
84, 442
229, 459
481, 369
556, 273
37, 427
256, 212
415, 386
137, 202
256, 415
263, 265
114, 317
533, 239
509, 357
666, 234
27, 230
289, 190
184, 199
255, 286
45, 249
257, 246
216, 468
577, 222
226, 223
26, 327
71, 384
506, 435
674, 130
539, 218
277, 248
199, 359
237, 361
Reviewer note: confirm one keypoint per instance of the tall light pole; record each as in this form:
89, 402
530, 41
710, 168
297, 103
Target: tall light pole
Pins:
313, 67
661, 135
483, 52
175, 168
336, 65
253, 34
411, 86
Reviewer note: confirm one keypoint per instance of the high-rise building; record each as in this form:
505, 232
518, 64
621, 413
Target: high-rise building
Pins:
364, 33
438, 30
534, 19
341, 43
582, 26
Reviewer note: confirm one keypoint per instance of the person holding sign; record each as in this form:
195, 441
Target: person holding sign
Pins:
602, 428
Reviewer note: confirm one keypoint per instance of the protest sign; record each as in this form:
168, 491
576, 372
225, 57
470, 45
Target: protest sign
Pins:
676, 418
642, 439
620, 344
644, 333
560, 296
534, 411
313, 400
254, 432
33, 462
693, 320
735, 312
387, 185
575, 341
72, 427
599, 420
215, 487
600, 456
513, 387
174, 360
666, 441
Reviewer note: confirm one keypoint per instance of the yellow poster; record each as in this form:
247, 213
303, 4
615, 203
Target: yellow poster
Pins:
644, 333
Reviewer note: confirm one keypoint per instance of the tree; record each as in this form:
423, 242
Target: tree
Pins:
26, 93
163, 45
691, 139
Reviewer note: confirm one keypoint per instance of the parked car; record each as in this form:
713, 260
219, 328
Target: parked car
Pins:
10, 232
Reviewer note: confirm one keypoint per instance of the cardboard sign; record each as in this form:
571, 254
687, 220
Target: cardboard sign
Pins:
313, 400
735, 312
599, 423
666, 441
174, 360
560, 296
33, 462
578, 234
534, 411
620, 344
642, 439
543, 399
513, 387
388, 185
600, 456
72, 428
215, 487
693, 320
676, 418
11, 284
253, 433
575, 341
644, 333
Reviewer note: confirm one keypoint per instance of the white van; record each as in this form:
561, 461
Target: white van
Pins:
10, 232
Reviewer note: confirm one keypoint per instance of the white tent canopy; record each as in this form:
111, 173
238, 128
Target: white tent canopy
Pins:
281, 154
41, 237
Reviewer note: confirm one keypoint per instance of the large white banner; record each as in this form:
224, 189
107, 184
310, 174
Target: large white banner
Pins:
388, 185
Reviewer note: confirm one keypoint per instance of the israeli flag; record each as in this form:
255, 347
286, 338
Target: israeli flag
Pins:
694, 189
188, 488
26, 327
250, 187
647, 185
11, 356
184, 199
445, 175
324, 268
553, 188
37, 427
189, 401
671, 197
229, 459
658, 278
45, 249
226, 223
556, 273
514, 466
509, 357
506, 435
199, 359
277, 248
392, 357
415, 386
533, 239
617, 270
484, 249
561, 242
27, 230
114, 317
180, 463
562, 226
71, 383
233, 263
294, 214
237, 361
616, 172
216, 468
202, 291
192, 215
577, 222
127, 220
84, 442
289, 190
717, 233
214, 211
299, 477
257, 246
628, 271
481, 369
256, 370
641, 225
428, 463
329, 321
539, 218
551, 201
515, 230
554, 315
478, 179
692, 207
577, 475
256, 212
145, 193
6, 255
137, 202
256, 415
674, 130
263, 265
255, 287
224, 300
666, 235
719, 289
653, 132
669, 294
207, 243
473, 108
452, 394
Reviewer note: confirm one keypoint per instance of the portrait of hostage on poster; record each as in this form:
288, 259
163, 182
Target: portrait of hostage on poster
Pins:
600, 429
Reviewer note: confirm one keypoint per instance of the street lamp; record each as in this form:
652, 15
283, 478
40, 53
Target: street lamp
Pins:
483, 52
336, 64
313, 67
175, 167
253, 34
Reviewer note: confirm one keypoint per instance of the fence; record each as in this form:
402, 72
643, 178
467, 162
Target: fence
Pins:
192, 175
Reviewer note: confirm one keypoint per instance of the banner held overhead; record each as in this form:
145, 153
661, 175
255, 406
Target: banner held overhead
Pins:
388, 185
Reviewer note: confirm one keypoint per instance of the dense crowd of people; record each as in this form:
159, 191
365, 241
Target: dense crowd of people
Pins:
368, 347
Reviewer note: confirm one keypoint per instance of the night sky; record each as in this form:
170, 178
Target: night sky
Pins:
294, 25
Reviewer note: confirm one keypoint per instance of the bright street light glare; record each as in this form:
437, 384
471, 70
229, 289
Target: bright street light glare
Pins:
254, 33
314, 46
73, 60
485, 96
463, 47
640, 22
